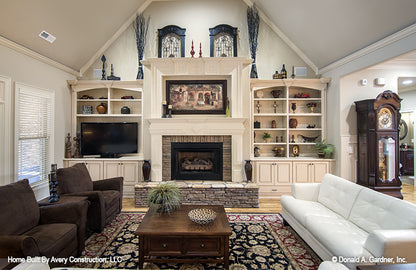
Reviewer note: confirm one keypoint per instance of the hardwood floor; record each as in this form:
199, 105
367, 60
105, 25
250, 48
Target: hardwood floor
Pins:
266, 205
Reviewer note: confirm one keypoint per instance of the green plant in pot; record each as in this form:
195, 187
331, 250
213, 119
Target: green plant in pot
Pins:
165, 198
324, 149
266, 137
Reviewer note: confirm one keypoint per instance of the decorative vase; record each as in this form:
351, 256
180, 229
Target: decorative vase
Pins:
312, 109
276, 93
266, 140
293, 123
273, 123
293, 107
146, 168
125, 110
321, 155
248, 168
102, 108
256, 151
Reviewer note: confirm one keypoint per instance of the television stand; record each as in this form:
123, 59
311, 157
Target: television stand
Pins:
109, 155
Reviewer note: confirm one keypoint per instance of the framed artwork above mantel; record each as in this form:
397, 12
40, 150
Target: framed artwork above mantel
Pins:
197, 96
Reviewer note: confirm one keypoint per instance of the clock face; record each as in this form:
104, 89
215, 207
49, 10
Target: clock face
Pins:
385, 119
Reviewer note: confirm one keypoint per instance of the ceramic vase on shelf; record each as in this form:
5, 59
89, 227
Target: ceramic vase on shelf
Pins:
146, 168
293, 107
248, 168
102, 108
293, 123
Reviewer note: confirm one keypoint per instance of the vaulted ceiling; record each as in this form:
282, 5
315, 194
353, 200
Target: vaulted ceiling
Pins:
324, 31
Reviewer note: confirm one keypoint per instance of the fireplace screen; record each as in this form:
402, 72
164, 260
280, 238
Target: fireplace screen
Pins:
196, 161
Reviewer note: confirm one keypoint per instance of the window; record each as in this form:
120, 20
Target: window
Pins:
34, 132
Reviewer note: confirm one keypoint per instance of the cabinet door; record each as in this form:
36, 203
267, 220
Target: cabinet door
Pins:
265, 173
301, 172
130, 171
283, 171
95, 169
111, 169
319, 169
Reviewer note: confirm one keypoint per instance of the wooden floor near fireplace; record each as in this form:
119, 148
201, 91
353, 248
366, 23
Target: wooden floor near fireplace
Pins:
266, 205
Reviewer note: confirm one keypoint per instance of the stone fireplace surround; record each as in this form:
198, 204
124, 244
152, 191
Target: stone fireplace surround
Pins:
233, 191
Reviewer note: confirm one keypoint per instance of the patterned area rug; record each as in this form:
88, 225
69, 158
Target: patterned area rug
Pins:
258, 241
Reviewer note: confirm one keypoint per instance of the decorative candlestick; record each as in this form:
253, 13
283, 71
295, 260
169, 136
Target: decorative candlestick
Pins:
258, 106
192, 49
275, 106
164, 109
200, 50
170, 111
293, 72
103, 59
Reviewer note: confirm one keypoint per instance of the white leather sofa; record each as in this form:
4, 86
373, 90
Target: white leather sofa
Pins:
348, 223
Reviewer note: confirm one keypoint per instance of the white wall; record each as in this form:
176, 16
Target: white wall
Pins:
24, 69
344, 89
197, 17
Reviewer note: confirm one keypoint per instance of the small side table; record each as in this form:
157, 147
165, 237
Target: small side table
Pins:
62, 199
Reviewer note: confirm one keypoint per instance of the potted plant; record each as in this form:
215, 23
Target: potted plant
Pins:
165, 197
324, 149
266, 137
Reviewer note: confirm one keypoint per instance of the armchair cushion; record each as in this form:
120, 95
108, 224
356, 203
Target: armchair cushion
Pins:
74, 179
20, 210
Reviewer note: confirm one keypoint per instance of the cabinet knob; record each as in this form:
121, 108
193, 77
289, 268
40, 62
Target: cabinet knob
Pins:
164, 245
202, 245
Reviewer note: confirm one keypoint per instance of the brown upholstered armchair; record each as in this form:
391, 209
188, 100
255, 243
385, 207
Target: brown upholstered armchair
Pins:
105, 196
29, 230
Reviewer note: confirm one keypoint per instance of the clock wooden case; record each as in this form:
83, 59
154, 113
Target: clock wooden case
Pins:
378, 143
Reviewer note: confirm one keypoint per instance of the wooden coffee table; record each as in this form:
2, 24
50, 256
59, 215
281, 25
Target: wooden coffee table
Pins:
181, 240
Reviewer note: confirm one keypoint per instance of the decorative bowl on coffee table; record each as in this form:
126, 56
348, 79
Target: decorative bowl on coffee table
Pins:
202, 215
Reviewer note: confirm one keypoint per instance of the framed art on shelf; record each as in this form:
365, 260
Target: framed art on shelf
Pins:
197, 96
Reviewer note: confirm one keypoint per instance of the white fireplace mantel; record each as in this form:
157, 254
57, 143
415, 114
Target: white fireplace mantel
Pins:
235, 127
235, 70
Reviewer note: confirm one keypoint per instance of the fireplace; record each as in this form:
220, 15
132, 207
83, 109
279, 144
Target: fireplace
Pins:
196, 161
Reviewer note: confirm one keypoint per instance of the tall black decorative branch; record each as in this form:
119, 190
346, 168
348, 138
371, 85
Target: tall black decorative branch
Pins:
141, 26
253, 21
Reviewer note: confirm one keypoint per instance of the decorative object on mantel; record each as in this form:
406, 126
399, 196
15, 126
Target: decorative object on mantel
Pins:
164, 107
248, 168
223, 41
200, 50
53, 182
112, 77
125, 110
103, 59
324, 149
68, 146
170, 111
77, 150
293, 72
102, 108
164, 198
293, 107
171, 41
140, 26
192, 49
253, 21
146, 168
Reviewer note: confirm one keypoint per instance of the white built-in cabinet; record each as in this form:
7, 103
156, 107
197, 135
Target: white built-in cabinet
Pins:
274, 105
87, 93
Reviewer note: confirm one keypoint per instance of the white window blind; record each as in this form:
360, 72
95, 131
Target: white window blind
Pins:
34, 114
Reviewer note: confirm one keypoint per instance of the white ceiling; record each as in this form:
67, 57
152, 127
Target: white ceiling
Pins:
324, 30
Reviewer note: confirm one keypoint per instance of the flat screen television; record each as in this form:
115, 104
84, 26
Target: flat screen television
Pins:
108, 139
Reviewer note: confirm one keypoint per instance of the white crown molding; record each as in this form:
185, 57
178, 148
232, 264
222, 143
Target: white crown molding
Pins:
279, 33
21, 49
116, 35
371, 48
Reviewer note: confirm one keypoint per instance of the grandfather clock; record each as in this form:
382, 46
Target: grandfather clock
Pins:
378, 143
